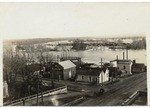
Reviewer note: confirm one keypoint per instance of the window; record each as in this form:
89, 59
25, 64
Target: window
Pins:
82, 77
96, 79
90, 78
124, 67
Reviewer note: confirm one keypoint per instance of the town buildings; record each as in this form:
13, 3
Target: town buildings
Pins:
123, 65
93, 74
61, 70
138, 67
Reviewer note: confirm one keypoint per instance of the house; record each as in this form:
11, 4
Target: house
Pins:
69, 69
53, 71
138, 67
60, 71
123, 65
5, 89
98, 75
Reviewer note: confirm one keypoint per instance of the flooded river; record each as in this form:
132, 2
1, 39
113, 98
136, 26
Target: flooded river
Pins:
94, 56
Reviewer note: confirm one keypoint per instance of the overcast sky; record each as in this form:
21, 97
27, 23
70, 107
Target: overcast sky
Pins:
50, 20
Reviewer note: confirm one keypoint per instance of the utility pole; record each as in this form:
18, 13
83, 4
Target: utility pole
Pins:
101, 75
38, 92
41, 81
101, 62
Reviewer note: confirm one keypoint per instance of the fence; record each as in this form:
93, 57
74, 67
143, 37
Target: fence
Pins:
46, 93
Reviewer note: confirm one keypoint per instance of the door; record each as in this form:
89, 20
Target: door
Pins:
69, 74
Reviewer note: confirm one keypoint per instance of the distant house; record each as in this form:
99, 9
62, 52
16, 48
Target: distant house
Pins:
138, 67
98, 75
5, 89
61, 71
123, 65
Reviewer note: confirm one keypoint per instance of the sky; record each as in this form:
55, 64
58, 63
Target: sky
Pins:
54, 20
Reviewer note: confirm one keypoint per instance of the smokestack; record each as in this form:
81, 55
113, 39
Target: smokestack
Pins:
58, 58
101, 62
127, 54
117, 57
123, 55
134, 61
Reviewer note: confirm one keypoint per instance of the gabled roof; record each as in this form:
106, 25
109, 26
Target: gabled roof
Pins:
67, 64
91, 72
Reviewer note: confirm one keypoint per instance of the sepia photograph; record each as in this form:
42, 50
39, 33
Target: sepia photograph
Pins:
74, 53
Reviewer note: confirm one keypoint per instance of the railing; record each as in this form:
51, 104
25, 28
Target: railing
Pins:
33, 96
131, 98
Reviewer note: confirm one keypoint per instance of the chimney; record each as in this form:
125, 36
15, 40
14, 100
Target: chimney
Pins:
123, 55
127, 54
117, 57
58, 58
134, 61
101, 62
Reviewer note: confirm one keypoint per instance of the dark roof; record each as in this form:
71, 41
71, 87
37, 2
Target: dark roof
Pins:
121, 61
53, 65
89, 66
112, 69
91, 72
138, 65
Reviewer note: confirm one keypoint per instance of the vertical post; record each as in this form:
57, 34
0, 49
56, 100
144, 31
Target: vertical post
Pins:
38, 92
123, 55
117, 57
101, 62
23, 100
41, 82
127, 54
42, 94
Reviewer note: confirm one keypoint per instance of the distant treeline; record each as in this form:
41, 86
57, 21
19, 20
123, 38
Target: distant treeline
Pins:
137, 44
79, 44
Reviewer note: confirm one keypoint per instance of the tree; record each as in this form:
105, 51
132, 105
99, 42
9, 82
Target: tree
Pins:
79, 45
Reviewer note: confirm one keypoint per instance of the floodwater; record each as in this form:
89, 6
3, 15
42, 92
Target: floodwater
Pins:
94, 56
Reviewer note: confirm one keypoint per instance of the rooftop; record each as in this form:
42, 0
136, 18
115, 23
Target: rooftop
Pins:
67, 64
91, 72
138, 65
122, 61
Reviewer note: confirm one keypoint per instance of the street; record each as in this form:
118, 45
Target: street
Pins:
119, 92
115, 94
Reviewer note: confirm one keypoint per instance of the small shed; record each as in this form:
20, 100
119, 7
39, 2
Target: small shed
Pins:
69, 69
